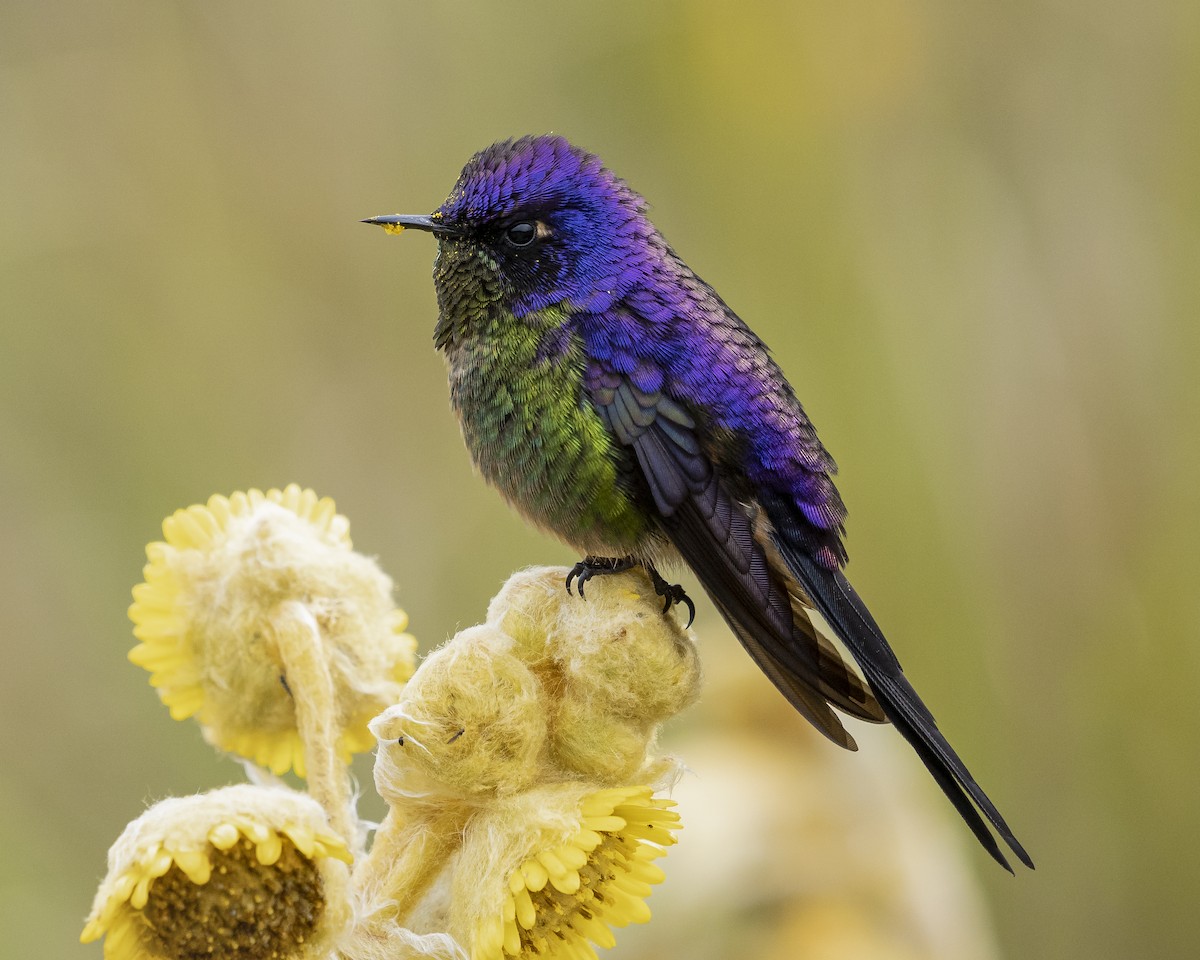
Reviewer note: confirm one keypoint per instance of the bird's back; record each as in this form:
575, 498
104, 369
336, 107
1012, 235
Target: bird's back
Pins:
675, 335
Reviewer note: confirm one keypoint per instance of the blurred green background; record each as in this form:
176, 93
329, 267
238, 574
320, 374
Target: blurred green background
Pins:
970, 231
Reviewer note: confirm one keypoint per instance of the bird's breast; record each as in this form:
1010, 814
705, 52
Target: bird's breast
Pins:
518, 392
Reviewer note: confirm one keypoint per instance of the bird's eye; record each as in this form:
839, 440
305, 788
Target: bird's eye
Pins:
521, 234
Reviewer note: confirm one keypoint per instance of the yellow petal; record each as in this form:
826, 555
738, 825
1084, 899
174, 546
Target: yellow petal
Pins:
526, 915
490, 940
254, 831
635, 814
594, 930
512, 938
223, 836
141, 893
195, 864
624, 909
121, 943
535, 875
335, 849
183, 702
185, 530
631, 885
149, 596
554, 866
646, 831
204, 520
570, 856
269, 850
607, 824
566, 883
576, 948
291, 497
156, 628
124, 887
645, 871
587, 840
153, 656
220, 509
302, 837
599, 804
322, 514
159, 864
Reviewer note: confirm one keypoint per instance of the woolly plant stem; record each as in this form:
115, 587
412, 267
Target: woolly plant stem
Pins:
306, 670
407, 855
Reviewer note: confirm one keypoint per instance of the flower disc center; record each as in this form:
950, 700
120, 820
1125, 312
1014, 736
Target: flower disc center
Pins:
246, 910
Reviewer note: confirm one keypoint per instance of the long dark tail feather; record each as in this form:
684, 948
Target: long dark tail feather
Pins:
838, 602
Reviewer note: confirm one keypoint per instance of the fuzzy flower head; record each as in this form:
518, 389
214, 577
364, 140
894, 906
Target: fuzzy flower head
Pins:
245, 873
614, 667
552, 872
234, 586
550, 688
470, 725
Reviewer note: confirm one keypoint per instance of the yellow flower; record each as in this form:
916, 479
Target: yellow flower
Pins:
242, 872
254, 604
586, 868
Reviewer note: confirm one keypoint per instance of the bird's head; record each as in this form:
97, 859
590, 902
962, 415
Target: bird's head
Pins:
532, 223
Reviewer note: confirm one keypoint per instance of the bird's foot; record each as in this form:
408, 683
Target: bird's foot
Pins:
673, 594
589, 567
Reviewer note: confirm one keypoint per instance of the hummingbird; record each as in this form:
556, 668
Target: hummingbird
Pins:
616, 401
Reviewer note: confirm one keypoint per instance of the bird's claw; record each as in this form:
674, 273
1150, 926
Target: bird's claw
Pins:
672, 593
588, 567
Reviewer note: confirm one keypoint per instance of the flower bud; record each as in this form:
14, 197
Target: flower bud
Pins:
470, 723
617, 665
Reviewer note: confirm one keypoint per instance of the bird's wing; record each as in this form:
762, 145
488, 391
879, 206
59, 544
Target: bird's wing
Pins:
754, 556
721, 539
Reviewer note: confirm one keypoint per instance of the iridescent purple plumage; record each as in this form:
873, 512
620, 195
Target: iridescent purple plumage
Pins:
615, 399
641, 311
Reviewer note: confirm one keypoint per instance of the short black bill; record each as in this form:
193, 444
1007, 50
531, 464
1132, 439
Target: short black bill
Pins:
398, 222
